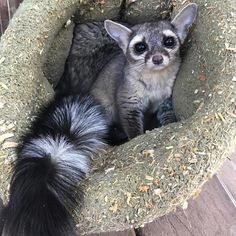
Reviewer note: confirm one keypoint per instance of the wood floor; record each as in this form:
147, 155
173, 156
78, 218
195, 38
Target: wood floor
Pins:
7, 9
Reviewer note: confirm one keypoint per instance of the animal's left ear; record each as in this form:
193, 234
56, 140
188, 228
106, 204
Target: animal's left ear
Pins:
184, 20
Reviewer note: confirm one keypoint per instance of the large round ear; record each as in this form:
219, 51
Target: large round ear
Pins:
119, 33
184, 20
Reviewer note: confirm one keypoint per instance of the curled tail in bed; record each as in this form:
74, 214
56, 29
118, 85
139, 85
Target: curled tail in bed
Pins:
52, 161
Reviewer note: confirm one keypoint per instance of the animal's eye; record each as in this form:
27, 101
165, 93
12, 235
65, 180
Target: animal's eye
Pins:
140, 47
169, 42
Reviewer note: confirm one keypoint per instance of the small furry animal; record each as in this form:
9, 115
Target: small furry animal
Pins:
135, 83
55, 155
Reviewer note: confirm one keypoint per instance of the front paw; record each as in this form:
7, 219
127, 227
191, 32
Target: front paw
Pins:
133, 123
167, 118
165, 113
134, 129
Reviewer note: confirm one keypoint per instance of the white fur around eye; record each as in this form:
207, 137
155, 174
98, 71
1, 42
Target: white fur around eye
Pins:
169, 33
136, 39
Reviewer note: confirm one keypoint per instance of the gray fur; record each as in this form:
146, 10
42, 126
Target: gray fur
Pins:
132, 84
83, 119
91, 49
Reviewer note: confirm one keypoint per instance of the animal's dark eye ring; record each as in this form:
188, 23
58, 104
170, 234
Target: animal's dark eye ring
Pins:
140, 47
169, 41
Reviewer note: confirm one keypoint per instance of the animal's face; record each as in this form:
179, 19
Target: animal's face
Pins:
154, 45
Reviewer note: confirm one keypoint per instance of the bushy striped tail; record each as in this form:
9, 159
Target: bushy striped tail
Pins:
53, 159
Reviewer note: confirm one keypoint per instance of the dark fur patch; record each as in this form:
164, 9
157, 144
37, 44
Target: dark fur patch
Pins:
91, 49
34, 209
164, 115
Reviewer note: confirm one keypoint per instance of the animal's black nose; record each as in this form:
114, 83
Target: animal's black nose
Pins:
157, 59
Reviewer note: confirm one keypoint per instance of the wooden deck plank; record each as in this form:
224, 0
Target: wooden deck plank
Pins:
4, 17
130, 232
227, 176
211, 214
7, 9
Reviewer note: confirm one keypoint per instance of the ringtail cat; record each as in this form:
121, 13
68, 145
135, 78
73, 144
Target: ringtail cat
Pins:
92, 48
55, 154
136, 82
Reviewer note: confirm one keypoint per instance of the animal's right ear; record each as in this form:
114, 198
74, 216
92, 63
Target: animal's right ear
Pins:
119, 33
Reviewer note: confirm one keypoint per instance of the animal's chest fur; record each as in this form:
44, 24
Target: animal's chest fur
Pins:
157, 87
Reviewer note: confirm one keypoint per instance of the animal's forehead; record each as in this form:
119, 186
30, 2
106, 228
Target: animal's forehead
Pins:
153, 30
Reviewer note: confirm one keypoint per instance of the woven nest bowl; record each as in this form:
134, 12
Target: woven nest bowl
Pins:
151, 175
